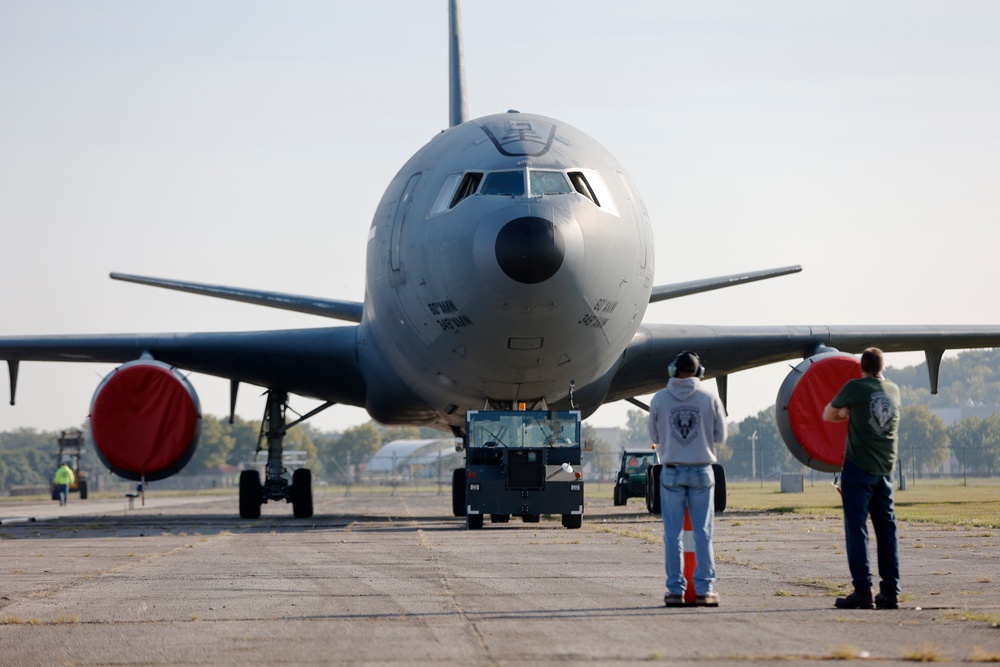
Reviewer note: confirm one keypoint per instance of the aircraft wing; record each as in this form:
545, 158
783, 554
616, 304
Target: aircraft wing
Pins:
318, 363
728, 349
312, 305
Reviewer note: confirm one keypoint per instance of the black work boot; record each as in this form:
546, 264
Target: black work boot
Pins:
886, 602
861, 598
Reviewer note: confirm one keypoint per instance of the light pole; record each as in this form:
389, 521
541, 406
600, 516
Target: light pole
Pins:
753, 455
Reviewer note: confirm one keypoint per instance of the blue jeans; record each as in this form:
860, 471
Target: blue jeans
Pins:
63, 490
866, 494
692, 488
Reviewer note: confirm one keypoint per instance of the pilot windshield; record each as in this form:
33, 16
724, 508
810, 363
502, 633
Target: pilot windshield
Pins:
548, 183
504, 183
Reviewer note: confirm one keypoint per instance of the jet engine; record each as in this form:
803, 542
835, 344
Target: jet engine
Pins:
799, 409
145, 418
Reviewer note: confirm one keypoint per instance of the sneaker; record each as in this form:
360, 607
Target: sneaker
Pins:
886, 602
672, 600
710, 599
861, 598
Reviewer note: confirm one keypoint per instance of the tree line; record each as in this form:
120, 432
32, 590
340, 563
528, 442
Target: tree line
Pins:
754, 447
28, 456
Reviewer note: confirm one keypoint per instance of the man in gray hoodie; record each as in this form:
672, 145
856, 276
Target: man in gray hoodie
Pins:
686, 422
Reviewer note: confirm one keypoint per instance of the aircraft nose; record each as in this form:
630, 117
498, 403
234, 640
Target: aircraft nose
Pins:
530, 249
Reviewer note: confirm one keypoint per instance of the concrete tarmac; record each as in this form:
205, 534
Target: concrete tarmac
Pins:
396, 580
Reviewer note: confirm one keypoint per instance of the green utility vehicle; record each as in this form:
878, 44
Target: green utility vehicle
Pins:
631, 479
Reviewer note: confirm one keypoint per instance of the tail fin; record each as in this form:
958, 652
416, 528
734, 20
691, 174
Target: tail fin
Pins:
458, 111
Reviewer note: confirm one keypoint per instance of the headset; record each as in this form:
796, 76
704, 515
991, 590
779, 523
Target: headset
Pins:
685, 358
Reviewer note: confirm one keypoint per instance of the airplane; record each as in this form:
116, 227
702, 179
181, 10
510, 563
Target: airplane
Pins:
510, 262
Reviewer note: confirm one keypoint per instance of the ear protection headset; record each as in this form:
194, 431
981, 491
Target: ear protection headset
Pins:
685, 358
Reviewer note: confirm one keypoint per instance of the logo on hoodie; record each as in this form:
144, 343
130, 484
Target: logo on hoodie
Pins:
684, 423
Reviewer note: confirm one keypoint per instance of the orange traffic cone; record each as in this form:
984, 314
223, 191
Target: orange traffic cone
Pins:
687, 539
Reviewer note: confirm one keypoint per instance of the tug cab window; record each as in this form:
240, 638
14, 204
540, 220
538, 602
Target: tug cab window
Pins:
504, 183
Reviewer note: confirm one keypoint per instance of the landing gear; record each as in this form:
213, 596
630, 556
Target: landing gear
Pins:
302, 493
276, 484
572, 521
251, 494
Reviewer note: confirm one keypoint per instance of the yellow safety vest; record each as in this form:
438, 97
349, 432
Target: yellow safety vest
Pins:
64, 475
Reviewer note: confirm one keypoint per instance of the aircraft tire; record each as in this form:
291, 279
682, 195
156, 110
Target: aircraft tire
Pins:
251, 494
720, 488
458, 492
302, 495
499, 518
531, 518
83, 489
572, 521
653, 488
474, 521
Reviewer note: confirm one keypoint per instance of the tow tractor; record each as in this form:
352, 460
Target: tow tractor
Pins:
520, 463
71, 448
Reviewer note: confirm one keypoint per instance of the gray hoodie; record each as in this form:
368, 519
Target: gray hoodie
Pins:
686, 422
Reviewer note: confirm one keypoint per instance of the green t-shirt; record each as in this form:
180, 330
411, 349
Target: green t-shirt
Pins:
873, 428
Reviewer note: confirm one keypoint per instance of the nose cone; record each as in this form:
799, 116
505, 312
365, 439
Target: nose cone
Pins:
530, 250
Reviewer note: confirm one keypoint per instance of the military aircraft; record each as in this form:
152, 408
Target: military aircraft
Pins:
509, 262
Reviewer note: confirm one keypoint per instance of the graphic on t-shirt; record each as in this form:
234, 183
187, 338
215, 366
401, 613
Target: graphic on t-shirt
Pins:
684, 423
882, 412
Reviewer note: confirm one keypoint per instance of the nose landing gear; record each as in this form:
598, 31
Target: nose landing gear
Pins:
276, 485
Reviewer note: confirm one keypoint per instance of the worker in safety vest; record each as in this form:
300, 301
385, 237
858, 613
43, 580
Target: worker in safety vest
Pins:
63, 478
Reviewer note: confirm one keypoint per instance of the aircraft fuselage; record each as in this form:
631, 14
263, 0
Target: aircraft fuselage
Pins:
509, 256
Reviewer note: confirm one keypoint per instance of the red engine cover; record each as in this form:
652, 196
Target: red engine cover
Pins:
145, 419
799, 409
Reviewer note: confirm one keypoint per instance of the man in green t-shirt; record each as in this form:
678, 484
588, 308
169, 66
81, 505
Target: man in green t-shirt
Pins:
871, 407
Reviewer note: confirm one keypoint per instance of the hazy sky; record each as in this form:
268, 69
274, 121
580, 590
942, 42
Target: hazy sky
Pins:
248, 144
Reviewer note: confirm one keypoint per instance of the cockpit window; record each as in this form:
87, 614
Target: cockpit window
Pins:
442, 201
456, 187
590, 184
459, 186
548, 183
467, 188
504, 183
581, 185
